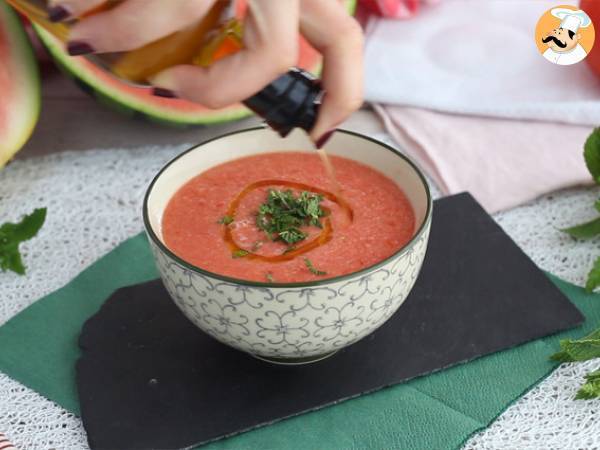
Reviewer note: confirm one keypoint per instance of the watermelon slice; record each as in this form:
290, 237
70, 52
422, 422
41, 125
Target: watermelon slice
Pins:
140, 101
20, 85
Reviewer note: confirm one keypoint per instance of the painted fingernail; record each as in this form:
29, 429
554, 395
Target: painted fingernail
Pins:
162, 92
323, 139
79, 48
58, 13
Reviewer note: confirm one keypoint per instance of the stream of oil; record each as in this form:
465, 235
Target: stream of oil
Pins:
337, 189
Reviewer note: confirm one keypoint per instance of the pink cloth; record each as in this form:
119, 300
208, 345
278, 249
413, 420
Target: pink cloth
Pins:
502, 162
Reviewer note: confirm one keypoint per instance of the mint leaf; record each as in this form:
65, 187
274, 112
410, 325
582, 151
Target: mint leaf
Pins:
225, 220
591, 153
12, 234
15, 263
593, 279
26, 228
10, 259
312, 268
239, 253
591, 388
585, 230
582, 349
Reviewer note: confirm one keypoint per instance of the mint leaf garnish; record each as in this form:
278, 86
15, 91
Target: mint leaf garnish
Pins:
591, 388
225, 220
312, 268
591, 153
593, 279
582, 349
585, 230
12, 234
239, 253
589, 346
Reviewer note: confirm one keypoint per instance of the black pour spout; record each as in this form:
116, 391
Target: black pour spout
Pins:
291, 101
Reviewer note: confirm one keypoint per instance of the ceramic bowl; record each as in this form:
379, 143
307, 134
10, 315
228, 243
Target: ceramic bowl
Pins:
289, 322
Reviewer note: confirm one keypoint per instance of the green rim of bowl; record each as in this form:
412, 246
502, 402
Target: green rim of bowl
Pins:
304, 284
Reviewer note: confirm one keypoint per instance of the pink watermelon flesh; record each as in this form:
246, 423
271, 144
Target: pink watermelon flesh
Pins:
19, 84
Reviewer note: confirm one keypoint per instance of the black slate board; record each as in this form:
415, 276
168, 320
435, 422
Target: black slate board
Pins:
148, 378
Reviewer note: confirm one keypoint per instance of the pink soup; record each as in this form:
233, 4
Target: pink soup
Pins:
375, 222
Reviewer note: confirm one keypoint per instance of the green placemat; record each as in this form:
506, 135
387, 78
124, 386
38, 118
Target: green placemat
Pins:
38, 347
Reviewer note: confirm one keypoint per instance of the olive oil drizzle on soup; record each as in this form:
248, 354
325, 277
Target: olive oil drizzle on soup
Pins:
211, 221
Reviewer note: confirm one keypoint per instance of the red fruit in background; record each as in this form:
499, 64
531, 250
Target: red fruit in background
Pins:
592, 8
19, 85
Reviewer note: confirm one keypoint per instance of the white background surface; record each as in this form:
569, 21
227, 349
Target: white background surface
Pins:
480, 58
94, 197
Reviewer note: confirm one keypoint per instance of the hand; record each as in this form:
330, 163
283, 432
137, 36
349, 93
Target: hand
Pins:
270, 48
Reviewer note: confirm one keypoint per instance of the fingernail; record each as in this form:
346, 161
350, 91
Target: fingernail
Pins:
58, 13
323, 139
162, 92
79, 48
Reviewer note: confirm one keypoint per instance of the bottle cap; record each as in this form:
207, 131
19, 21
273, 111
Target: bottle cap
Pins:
291, 101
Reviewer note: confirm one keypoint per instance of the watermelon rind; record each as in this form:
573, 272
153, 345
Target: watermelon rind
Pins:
138, 101
22, 99
110, 91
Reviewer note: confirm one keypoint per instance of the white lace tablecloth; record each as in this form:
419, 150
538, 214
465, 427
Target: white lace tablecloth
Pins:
93, 201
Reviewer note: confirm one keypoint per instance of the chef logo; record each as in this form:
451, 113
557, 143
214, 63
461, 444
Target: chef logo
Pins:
564, 35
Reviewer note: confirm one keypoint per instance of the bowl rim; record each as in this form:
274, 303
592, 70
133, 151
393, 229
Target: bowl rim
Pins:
303, 284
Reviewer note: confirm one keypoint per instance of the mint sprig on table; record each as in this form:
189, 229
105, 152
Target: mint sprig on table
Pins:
591, 154
11, 236
572, 350
587, 347
591, 388
283, 213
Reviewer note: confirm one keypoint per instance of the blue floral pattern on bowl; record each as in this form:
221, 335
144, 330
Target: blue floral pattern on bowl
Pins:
296, 322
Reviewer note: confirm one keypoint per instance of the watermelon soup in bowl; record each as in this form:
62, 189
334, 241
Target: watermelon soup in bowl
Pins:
294, 296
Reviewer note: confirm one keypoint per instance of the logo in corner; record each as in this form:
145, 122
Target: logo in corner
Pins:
564, 35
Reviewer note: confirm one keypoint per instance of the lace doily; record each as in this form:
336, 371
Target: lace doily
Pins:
93, 201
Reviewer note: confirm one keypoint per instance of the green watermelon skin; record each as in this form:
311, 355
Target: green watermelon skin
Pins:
19, 83
133, 101
139, 102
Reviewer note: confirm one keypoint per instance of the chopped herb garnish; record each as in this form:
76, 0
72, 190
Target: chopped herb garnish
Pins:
12, 234
282, 215
239, 253
257, 245
225, 220
292, 235
312, 268
270, 278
